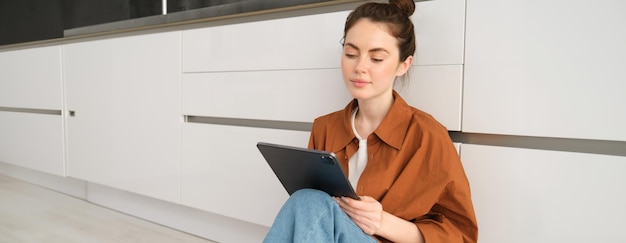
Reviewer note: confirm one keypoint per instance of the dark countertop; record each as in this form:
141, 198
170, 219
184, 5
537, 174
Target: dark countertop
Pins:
231, 10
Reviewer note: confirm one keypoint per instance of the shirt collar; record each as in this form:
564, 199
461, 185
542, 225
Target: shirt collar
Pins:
391, 130
344, 134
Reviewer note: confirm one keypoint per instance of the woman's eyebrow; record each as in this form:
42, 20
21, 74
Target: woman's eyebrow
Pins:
352, 46
379, 49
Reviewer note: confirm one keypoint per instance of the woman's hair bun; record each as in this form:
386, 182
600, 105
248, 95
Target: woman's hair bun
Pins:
406, 6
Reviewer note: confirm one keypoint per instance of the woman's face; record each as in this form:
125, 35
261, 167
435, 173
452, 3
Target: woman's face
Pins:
370, 60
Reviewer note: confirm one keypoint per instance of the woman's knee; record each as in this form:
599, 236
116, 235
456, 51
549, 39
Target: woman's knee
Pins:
310, 196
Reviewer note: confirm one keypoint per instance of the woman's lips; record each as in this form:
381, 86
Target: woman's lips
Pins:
359, 83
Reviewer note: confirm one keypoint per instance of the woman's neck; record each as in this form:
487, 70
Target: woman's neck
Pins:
371, 113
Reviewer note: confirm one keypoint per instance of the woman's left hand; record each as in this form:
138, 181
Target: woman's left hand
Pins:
367, 213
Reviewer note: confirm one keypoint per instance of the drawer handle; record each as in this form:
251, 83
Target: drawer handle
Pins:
31, 110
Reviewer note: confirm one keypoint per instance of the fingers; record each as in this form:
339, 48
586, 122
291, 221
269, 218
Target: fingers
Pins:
366, 213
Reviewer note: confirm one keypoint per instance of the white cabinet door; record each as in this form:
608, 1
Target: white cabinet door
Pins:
224, 173
525, 195
125, 131
546, 68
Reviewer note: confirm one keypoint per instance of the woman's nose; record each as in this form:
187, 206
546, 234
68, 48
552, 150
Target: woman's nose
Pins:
361, 65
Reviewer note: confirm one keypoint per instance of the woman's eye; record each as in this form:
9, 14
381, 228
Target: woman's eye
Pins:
377, 59
351, 56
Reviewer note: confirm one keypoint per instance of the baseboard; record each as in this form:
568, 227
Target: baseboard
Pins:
73, 187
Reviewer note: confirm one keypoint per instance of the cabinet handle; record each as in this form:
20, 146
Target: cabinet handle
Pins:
31, 110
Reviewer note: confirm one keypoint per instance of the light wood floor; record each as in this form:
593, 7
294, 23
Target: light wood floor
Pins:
30, 213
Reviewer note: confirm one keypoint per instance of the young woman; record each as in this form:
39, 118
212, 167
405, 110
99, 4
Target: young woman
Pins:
399, 159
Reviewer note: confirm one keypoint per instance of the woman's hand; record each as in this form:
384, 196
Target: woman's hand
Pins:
367, 213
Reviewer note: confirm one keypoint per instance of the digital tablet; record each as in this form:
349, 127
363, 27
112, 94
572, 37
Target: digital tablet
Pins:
298, 168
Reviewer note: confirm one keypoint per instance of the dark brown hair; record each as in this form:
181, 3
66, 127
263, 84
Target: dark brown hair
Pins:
395, 15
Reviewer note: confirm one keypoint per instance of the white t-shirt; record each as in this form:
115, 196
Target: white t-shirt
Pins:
358, 161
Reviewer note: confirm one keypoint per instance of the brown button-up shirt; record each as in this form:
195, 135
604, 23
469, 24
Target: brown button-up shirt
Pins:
413, 169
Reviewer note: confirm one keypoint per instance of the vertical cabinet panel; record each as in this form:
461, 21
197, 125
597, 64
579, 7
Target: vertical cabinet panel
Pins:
524, 195
297, 95
126, 129
31, 78
34, 141
224, 173
531, 73
89, 90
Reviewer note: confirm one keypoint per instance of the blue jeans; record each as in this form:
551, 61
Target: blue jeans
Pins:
313, 216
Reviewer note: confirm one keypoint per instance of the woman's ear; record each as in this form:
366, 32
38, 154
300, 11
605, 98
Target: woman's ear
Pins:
404, 66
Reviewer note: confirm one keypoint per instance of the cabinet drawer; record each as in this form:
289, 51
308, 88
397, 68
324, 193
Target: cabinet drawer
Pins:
33, 141
303, 95
297, 95
311, 42
290, 43
31, 78
222, 170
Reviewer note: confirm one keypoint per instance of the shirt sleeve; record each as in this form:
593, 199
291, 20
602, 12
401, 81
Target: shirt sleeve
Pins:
451, 218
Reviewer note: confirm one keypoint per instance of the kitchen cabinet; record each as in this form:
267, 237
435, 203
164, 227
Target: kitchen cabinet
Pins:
313, 41
283, 69
31, 97
527, 195
123, 130
292, 95
549, 69
303, 95
224, 173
